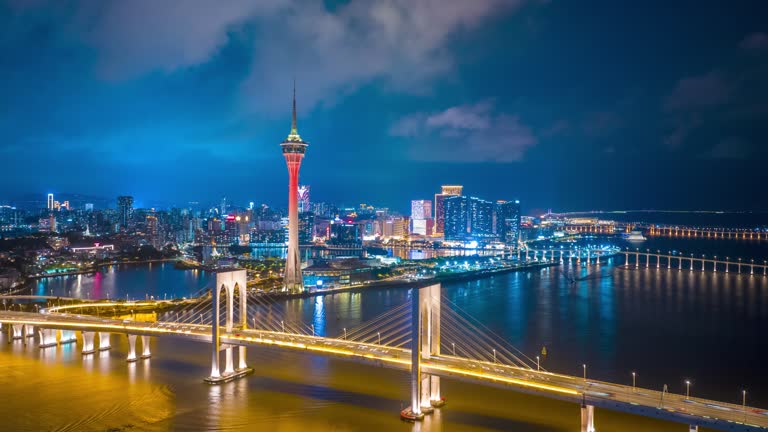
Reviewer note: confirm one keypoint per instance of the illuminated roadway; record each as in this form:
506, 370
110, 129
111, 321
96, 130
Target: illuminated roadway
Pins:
678, 408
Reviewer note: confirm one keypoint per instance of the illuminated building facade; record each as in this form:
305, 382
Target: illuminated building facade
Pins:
508, 222
421, 217
447, 191
304, 204
293, 150
124, 211
345, 234
469, 218
306, 227
50, 201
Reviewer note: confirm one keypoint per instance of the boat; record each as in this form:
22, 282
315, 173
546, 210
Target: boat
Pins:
634, 236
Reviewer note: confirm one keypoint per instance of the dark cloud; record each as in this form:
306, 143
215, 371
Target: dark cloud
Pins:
756, 42
698, 92
466, 133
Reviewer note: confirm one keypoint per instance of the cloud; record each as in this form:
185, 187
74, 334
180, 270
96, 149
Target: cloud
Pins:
755, 42
602, 123
331, 49
466, 133
463, 117
729, 148
680, 132
402, 44
699, 92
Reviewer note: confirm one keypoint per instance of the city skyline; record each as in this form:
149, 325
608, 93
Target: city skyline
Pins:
617, 131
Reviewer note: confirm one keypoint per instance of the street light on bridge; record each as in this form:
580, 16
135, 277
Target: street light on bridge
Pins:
634, 377
585, 371
687, 389
744, 403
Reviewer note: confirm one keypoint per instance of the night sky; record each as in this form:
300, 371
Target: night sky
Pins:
562, 104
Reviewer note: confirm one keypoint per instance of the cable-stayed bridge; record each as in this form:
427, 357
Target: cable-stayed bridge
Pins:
427, 336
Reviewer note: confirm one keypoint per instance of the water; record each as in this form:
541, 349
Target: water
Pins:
667, 326
134, 281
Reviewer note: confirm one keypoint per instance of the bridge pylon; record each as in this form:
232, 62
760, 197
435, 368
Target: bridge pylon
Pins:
425, 342
228, 283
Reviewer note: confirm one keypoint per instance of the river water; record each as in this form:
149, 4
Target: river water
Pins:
665, 325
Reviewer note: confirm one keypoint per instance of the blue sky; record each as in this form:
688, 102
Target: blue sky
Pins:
568, 105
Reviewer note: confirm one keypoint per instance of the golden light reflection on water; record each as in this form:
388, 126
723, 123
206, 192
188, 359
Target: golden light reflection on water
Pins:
46, 389
58, 388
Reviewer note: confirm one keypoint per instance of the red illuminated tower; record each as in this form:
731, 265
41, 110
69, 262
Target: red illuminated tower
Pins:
293, 150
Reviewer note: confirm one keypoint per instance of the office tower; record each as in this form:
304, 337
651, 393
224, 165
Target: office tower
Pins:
447, 191
124, 211
293, 149
50, 201
88, 206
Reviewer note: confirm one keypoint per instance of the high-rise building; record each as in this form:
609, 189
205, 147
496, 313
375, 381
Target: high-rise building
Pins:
88, 206
304, 204
508, 222
293, 149
481, 219
345, 234
124, 211
421, 217
469, 218
456, 218
447, 191
50, 201
306, 227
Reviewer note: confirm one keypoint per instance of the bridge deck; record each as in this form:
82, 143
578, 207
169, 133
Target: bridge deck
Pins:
641, 401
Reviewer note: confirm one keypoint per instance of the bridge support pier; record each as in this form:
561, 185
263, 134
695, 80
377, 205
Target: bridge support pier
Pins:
693, 428
29, 331
88, 345
131, 349
104, 343
145, 354
587, 418
47, 338
17, 331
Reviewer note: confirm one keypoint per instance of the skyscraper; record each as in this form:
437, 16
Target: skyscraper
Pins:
124, 210
508, 222
447, 191
50, 201
421, 216
456, 218
469, 218
304, 204
293, 150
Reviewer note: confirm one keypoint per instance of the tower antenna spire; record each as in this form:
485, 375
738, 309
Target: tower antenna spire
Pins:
294, 129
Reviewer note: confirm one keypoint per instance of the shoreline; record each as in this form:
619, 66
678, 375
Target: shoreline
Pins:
466, 276
96, 268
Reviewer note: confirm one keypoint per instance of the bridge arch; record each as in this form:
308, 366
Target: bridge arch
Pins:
227, 283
